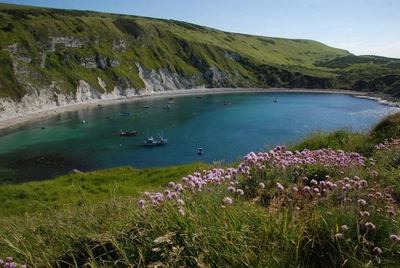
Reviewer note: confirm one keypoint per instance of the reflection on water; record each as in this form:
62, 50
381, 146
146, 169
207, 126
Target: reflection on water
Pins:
55, 145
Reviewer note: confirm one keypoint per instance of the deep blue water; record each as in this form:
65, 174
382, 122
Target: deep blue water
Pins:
251, 122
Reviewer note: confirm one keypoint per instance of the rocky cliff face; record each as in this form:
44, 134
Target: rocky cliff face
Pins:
53, 96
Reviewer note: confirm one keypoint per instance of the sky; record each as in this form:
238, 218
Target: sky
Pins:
362, 27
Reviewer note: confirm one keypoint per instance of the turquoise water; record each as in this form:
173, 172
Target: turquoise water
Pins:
250, 122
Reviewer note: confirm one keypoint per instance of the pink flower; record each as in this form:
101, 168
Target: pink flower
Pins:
394, 238
182, 212
279, 186
228, 200
369, 225
362, 202
391, 212
344, 227
262, 185
377, 250
339, 235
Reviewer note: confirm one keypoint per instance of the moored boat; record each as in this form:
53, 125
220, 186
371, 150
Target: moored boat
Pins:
200, 151
127, 133
150, 141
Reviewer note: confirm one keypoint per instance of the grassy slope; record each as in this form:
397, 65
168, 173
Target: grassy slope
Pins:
181, 47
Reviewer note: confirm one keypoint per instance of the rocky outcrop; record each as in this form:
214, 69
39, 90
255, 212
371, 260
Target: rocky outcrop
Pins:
54, 96
98, 61
163, 80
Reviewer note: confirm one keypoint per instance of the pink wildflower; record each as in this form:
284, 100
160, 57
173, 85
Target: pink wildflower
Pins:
339, 235
377, 250
394, 238
369, 225
362, 202
391, 212
228, 200
182, 212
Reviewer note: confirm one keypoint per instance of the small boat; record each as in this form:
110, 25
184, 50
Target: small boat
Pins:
227, 103
198, 97
171, 98
150, 141
126, 113
167, 106
170, 102
127, 133
276, 100
200, 151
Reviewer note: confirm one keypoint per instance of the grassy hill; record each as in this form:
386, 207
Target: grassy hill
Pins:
42, 46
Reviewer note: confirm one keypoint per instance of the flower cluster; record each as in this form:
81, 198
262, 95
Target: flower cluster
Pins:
279, 158
363, 197
8, 263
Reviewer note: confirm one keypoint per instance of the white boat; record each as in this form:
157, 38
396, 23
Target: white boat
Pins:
150, 141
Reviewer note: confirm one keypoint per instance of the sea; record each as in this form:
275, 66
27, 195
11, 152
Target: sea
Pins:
226, 125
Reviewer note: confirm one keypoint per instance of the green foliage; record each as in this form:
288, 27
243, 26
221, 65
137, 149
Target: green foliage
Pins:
81, 188
129, 26
8, 81
387, 128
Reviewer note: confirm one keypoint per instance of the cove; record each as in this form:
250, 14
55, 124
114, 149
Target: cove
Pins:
227, 126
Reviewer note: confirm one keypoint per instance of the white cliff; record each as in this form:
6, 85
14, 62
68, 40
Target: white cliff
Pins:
54, 97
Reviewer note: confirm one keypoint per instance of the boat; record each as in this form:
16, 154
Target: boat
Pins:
127, 133
200, 151
150, 141
167, 106
170, 101
276, 100
198, 97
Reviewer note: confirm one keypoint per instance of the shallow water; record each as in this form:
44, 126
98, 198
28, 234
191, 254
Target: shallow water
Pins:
55, 145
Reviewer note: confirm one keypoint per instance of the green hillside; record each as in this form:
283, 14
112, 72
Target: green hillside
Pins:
40, 46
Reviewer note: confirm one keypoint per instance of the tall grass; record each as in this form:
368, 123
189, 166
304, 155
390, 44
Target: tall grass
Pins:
324, 206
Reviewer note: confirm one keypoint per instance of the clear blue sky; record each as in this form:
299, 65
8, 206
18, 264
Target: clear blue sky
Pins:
363, 27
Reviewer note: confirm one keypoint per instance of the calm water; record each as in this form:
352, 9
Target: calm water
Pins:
251, 122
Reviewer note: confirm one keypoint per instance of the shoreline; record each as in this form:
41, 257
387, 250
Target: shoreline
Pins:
21, 119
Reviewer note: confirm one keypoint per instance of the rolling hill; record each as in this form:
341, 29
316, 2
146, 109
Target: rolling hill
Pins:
53, 57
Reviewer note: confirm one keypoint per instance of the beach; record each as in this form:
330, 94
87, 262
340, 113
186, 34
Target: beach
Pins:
21, 119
